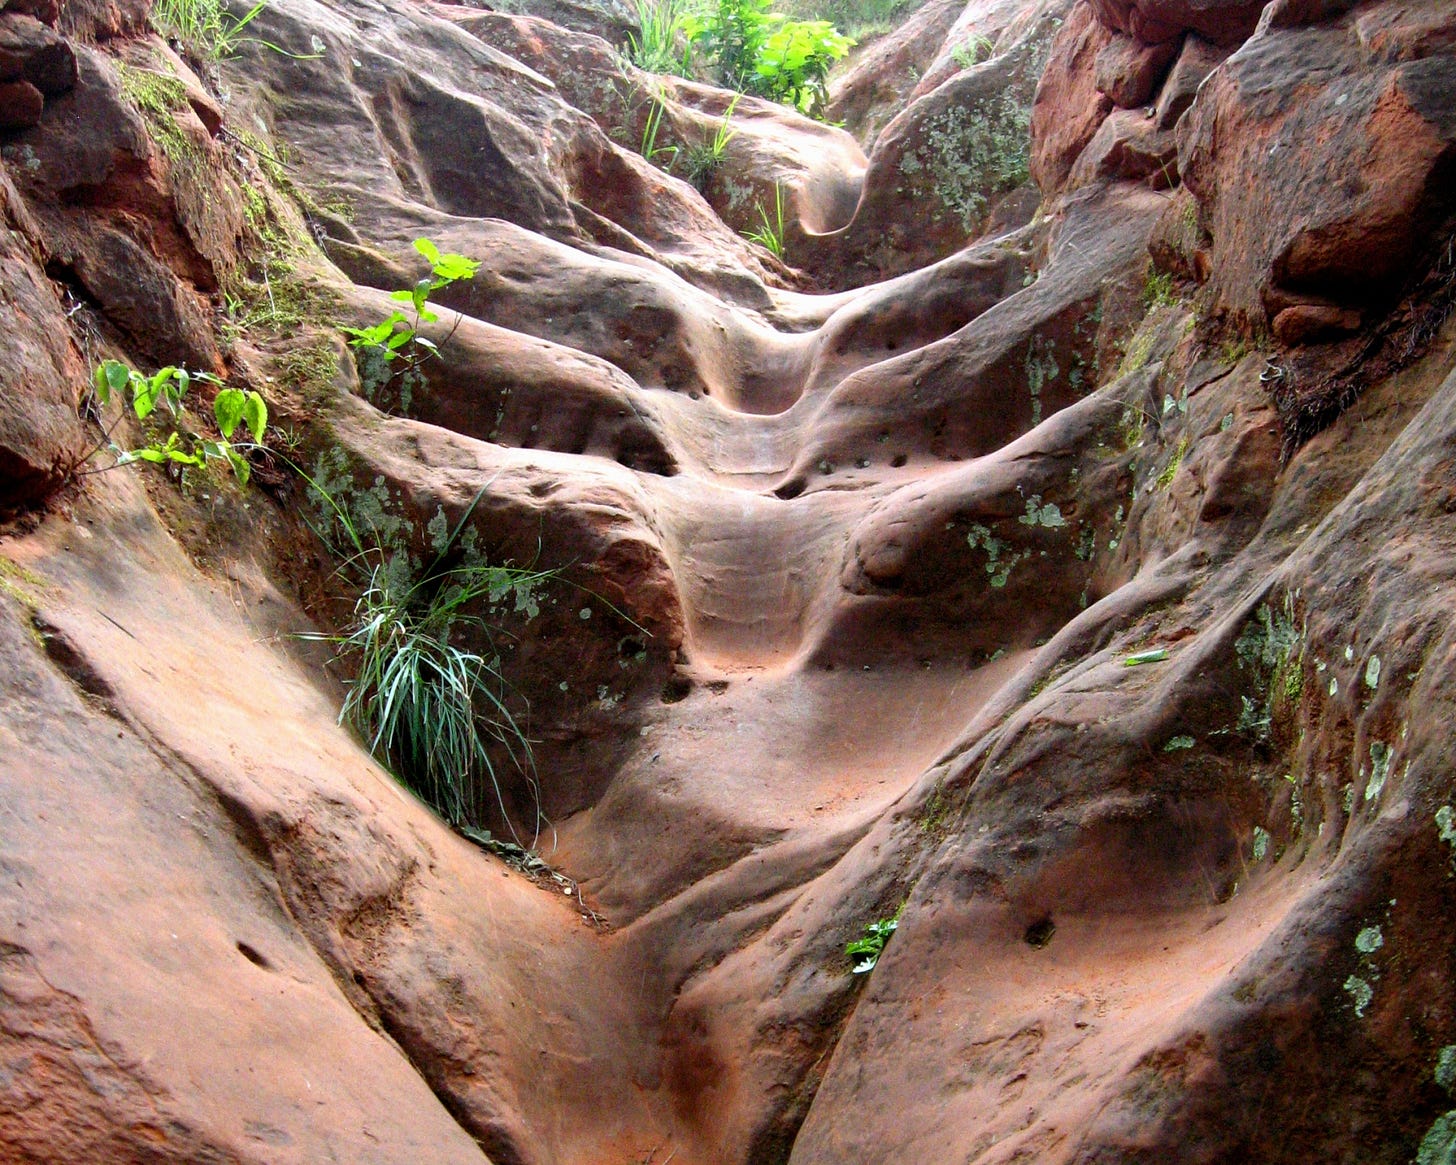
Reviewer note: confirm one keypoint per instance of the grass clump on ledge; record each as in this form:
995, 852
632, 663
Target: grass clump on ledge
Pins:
436, 712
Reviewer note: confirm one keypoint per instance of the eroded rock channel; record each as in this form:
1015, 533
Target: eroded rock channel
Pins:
1053, 550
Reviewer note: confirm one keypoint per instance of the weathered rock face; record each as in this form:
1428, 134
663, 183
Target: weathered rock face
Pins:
1152, 21
1372, 137
1005, 597
954, 162
1069, 106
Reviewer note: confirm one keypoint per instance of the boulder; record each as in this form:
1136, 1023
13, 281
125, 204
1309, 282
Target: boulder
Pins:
1305, 323
32, 52
21, 105
1068, 107
1129, 145
1195, 62
1129, 71
1319, 171
1225, 21
46, 11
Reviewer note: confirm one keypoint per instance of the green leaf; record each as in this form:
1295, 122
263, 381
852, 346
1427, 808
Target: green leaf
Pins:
111, 376
428, 250
144, 394
255, 414
378, 334
1156, 655
402, 296
227, 407
241, 469
448, 268
153, 453
175, 383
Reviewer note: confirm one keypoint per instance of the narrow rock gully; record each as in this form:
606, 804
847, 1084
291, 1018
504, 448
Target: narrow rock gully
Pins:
1003, 559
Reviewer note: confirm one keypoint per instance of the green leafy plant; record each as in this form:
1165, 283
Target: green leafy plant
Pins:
703, 160
392, 352
428, 697
769, 234
866, 951
755, 50
793, 63
972, 51
180, 448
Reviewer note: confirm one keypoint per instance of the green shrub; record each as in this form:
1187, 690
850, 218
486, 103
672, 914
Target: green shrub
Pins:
209, 30
755, 50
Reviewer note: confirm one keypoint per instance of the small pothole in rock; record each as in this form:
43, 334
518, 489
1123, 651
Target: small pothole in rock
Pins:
676, 689
1040, 932
253, 955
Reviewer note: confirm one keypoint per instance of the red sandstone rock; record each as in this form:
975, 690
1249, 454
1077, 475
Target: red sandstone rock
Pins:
870, 90
1322, 182
863, 574
1068, 108
1130, 72
31, 51
40, 376
1308, 323
45, 11
1196, 60
1151, 21
1130, 145
21, 105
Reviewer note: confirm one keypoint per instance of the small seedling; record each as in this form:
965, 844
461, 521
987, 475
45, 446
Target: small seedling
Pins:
168, 386
866, 951
650, 149
396, 338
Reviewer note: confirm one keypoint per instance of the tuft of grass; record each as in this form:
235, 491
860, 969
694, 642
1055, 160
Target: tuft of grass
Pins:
662, 46
209, 30
770, 234
429, 707
973, 51
650, 149
700, 162
436, 712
